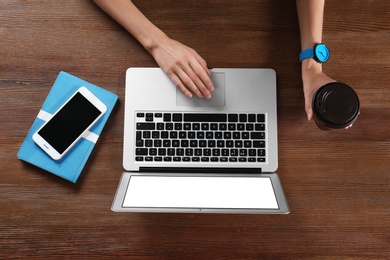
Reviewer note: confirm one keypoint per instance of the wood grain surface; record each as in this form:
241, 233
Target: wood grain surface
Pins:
337, 183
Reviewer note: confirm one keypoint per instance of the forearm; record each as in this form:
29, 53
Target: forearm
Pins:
128, 15
310, 16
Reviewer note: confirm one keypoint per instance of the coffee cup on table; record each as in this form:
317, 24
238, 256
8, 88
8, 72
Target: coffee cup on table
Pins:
335, 106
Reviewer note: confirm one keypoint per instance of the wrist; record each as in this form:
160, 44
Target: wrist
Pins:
310, 66
153, 40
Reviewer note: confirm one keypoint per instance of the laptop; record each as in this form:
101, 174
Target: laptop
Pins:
196, 155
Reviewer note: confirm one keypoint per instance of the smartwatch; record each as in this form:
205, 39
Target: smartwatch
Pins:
320, 53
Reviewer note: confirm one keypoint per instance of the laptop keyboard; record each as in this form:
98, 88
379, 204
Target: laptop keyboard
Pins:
200, 137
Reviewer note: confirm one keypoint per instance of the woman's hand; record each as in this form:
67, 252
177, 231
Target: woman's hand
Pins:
186, 68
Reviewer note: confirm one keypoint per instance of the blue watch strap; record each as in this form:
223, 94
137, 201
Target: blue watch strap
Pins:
306, 54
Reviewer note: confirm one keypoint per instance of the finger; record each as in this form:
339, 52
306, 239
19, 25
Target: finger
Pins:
179, 84
197, 81
309, 112
187, 83
206, 79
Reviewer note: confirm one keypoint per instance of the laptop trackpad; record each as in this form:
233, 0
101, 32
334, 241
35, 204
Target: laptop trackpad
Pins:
217, 99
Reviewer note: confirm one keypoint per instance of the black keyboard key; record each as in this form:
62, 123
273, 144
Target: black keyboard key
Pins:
160, 126
209, 135
198, 152
149, 143
243, 118
238, 144
205, 117
184, 143
249, 127
195, 126
158, 115
140, 114
257, 135
166, 143
231, 127
251, 118
139, 158
222, 127
189, 151
178, 126
243, 152
164, 134
141, 151
155, 134
258, 144
187, 126
240, 127
173, 135
146, 126
211, 143
182, 135
139, 143
259, 127
191, 135
260, 118
153, 151
225, 152
233, 117
220, 143
149, 117
169, 126
146, 134
200, 135
175, 143
177, 117
167, 117
233, 152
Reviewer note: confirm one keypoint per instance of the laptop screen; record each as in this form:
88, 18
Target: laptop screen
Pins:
200, 192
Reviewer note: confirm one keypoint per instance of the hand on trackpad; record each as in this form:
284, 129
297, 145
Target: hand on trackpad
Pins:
217, 99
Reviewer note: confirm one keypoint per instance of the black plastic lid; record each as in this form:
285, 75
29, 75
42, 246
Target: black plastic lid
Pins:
336, 105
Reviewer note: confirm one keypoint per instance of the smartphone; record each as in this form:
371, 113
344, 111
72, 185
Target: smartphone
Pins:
75, 117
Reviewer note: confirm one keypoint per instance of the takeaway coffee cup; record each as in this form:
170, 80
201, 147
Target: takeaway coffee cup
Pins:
335, 106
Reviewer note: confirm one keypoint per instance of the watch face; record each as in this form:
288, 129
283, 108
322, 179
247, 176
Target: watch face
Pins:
321, 52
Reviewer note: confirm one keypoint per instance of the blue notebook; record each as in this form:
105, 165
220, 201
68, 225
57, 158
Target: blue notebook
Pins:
72, 164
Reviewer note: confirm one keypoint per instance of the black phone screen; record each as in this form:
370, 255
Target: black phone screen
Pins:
69, 123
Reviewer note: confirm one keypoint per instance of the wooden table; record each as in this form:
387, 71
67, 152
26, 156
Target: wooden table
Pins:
337, 183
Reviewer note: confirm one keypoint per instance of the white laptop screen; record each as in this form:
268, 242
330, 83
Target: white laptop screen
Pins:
200, 192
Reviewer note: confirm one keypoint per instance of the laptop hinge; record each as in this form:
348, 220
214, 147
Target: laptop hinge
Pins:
199, 170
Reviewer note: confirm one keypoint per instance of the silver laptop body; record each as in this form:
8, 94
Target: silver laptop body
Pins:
163, 176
